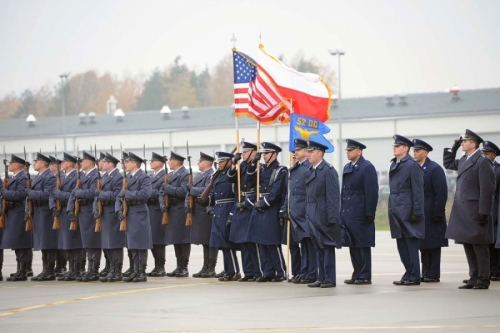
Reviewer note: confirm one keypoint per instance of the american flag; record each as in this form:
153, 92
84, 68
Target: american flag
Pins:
254, 94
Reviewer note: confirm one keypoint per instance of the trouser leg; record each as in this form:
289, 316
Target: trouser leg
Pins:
295, 256
277, 259
413, 244
366, 260
435, 260
254, 254
355, 254
404, 256
321, 264
330, 265
312, 260
266, 262
425, 259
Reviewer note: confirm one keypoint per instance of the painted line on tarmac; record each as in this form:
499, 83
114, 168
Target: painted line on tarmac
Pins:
117, 293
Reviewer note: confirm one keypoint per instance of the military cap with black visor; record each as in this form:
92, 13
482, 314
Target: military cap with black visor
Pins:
421, 144
205, 157
353, 144
268, 147
157, 157
300, 144
313, 145
42, 157
248, 146
69, 158
222, 156
133, 157
400, 140
175, 156
87, 156
110, 158
16, 159
490, 146
54, 160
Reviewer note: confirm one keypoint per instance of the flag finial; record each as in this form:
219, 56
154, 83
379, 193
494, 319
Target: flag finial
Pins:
233, 39
260, 39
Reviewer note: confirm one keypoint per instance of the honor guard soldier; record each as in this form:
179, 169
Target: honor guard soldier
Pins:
435, 197
61, 261
70, 241
492, 151
202, 221
406, 209
469, 220
107, 267
157, 164
239, 218
265, 227
359, 202
222, 200
44, 237
85, 194
177, 233
322, 214
139, 239
15, 236
29, 268
112, 239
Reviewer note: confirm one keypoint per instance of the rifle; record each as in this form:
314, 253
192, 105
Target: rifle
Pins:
57, 219
5, 185
29, 203
123, 223
164, 220
189, 215
98, 221
74, 225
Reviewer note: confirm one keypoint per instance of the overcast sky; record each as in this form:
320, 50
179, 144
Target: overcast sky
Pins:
392, 47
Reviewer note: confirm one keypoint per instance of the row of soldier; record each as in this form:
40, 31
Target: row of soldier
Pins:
232, 213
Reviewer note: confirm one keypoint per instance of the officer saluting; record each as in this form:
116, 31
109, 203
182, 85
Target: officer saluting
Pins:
359, 203
435, 197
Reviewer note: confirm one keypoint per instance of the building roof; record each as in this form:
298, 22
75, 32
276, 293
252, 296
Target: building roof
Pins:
413, 105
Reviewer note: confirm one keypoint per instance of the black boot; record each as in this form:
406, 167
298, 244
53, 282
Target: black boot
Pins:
130, 269
20, 275
44, 271
109, 276
12, 274
29, 265
77, 272
50, 274
94, 272
117, 276
210, 272
141, 276
71, 271
176, 270
86, 275
153, 272
183, 272
105, 271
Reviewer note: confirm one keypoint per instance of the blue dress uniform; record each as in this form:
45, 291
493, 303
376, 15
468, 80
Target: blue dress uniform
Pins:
322, 216
15, 236
435, 197
91, 240
265, 227
139, 239
406, 211
202, 221
469, 224
359, 203
45, 238
222, 198
177, 233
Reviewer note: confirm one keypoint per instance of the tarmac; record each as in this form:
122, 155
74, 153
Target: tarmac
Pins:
207, 305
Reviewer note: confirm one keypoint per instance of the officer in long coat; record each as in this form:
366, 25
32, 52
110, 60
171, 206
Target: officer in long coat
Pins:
435, 197
240, 216
177, 233
406, 209
469, 220
322, 214
491, 151
15, 236
45, 238
61, 261
91, 240
222, 199
139, 239
107, 266
265, 227
357, 213
157, 164
70, 241
112, 239
202, 221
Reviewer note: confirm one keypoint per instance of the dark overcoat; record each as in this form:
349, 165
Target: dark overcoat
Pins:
138, 222
323, 206
475, 187
86, 221
221, 198
176, 231
240, 221
435, 197
299, 173
495, 210
202, 222
44, 237
155, 213
359, 200
265, 227
14, 234
406, 182
68, 239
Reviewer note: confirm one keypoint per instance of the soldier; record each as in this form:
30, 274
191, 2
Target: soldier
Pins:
265, 227
70, 241
176, 232
157, 163
221, 198
469, 220
435, 197
202, 221
406, 209
107, 267
322, 214
44, 237
139, 239
112, 239
14, 235
91, 240
357, 214
239, 233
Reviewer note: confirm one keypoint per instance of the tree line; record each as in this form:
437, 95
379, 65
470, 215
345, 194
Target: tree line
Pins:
175, 85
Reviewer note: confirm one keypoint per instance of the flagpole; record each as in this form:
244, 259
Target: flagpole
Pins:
288, 206
258, 162
239, 162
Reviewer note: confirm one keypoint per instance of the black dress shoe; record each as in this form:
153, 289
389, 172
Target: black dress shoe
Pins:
480, 286
465, 281
411, 283
328, 285
494, 277
360, 281
315, 284
279, 279
220, 274
247, 279
305, 281
350, 281
264, 279
466, 286
428, 279
294, 278
399, 283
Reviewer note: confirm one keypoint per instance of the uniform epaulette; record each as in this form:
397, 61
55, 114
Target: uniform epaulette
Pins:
329, 165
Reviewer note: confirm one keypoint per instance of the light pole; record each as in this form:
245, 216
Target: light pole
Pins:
64, 80
339, 53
